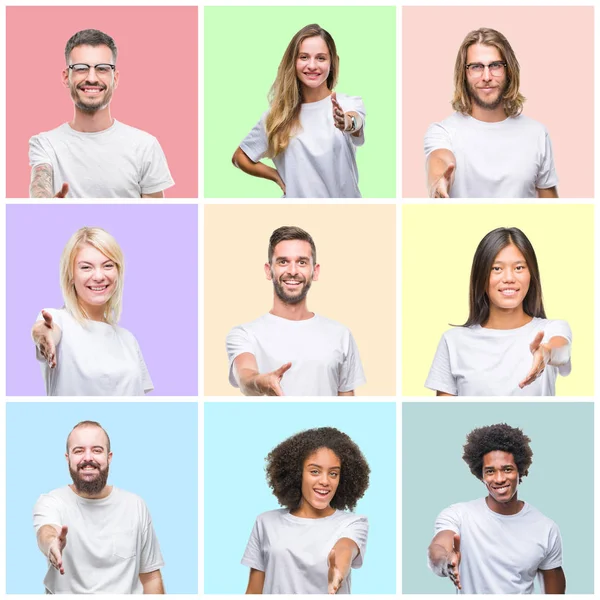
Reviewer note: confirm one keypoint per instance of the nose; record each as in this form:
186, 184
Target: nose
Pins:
487, 75
292, 268
499, 476
87, 454
508, 275
98, 275
312, 65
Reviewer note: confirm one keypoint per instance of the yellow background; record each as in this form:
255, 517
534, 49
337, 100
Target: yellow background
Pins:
438, 244
356, 248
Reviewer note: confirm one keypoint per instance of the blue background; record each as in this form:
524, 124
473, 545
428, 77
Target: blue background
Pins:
238, 437
155, 455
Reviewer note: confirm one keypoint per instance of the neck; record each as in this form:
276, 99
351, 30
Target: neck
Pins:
512, 507
314, 95
488, 116
95, 313
306, 511
91, 122
507, 318
103, 493
293, 312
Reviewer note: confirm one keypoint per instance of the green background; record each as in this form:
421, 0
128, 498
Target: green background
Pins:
560, 482
243, 47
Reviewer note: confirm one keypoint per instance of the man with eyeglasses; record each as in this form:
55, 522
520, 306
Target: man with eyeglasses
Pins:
94, 155
487, 148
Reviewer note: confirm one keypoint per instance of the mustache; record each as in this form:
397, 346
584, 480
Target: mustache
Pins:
90, 84
88, 463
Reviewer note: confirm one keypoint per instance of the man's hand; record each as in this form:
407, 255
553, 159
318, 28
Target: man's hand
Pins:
334, 575
267, 384
42, 336
541, 357
441, 187
56, 549
64, 190
454, 562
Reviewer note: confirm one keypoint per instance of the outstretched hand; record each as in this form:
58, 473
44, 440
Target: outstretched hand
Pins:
334, 575
42, 334
541, 357
454, 562
64, 190
441, 187
268, 384
339, 117
56, 549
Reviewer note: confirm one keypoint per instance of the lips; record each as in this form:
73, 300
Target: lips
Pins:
321, 493
509, 291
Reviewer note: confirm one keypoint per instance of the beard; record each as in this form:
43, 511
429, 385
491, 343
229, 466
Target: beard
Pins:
282, 293
90, 487
482, 103
91, 105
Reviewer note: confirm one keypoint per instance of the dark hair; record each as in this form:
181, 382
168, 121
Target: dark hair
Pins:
497, 437
89, 424
90, 37
290, 232
285, 464
487, 250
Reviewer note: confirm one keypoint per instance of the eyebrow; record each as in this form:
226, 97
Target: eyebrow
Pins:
83, 448
87, 262
290, 258
320, 467
501, 467
515, 262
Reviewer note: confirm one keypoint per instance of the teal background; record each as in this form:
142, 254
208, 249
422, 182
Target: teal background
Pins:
238, 437
243, 47
560, 482
155, 455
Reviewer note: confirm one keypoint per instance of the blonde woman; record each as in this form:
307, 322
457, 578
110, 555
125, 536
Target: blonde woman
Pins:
82, 349
310, 132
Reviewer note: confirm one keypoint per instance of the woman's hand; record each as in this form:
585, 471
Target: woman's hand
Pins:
541, 357
44, 335
339, 117
334, 576
280, 182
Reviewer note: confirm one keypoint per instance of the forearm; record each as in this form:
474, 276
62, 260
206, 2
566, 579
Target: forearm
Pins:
45, 536
247, 381
437, 164
42, 182
560, 351
152, 582
346, 551
256, 169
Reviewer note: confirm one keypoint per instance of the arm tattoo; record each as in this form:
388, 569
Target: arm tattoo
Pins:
42, 182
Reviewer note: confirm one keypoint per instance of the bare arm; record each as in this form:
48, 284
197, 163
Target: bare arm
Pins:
152, 582
257, 169
440, 168
554, 581
160, 194
253, 383
340, 560
47, 335
41, 184
444, 555
350, 393
256, 582
52, 540
438, 393
547, 193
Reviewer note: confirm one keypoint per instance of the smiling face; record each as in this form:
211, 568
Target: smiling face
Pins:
500, 476
92, 91
88, 459
313, 63
292, 270
320, 479
95, 277
486, 90
509, 279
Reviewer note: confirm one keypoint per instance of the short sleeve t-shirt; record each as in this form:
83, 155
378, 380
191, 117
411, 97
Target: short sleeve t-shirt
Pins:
507, 159
292, 551
110, 541
320, 160
477, 361
118, 162
501, 554
94, 359
323, 353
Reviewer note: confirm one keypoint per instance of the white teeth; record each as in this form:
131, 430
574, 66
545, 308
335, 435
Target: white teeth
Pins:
509, 292
322, 492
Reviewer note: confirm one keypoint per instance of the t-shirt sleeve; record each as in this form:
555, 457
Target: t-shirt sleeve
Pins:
561, 358
356, 104
448, 520
255, 144
440, 378
238, 341
352, 374
546, 177
357, 531
154, 174
46, 512
253, 555
38, 155
151, 557
146, 380
553, 557
437, 137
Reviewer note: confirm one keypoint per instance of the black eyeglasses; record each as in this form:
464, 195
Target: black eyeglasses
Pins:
496, 68
83, 69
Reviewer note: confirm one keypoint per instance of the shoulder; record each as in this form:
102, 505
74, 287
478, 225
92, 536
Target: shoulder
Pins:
271, 517
464, 508
457, 334
133, 133
534, 515
263, 322
450, 123
350, 100
125, 334
348, 518
53, 134
129, 498
330, 324
59, 496
528, 125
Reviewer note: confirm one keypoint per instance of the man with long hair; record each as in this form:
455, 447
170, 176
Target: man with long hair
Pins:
487, 148
497, 544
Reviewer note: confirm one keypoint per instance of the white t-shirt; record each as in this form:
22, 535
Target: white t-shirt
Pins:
320, 160
292, 551
109, 543
323, 354
118, 162
477, 361
97, 359
508, 159
501, 554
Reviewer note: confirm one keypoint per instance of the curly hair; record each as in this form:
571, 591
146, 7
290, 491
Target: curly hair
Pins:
285, 464
497, 437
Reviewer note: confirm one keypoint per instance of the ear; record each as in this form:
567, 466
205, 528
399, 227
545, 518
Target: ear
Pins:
109, 457
116, 79
67, 457
316, 272
65, 77
268, 272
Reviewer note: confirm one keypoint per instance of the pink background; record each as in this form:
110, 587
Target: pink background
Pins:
561, 96
157, 92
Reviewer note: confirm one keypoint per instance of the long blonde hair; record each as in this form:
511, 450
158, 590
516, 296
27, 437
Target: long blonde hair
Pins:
105, 243
285, 96
513, 99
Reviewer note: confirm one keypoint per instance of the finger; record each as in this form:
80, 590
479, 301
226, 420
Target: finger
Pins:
64, 190
277, 391
47, 318
279, 372
334, 97
537, 340
448, 172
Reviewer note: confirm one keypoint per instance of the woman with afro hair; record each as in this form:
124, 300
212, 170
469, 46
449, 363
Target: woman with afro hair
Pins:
497, 544
309, 546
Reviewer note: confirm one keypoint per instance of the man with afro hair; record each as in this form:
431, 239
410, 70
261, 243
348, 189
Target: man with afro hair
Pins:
497, 544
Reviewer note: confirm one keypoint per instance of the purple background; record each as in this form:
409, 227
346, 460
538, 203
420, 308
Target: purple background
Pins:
160, 298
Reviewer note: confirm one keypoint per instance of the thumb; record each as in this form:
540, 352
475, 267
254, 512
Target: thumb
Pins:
334, 96
47, 318
448, 172
64, 190
456, 542
283, 369
62, 536
537, 340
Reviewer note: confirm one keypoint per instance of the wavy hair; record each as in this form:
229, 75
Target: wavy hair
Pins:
513, 99
285, 97
487, 250
105, 243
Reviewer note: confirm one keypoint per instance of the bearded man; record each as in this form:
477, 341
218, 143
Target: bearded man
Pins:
291, 351
98, 539
487, 148
94, 155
